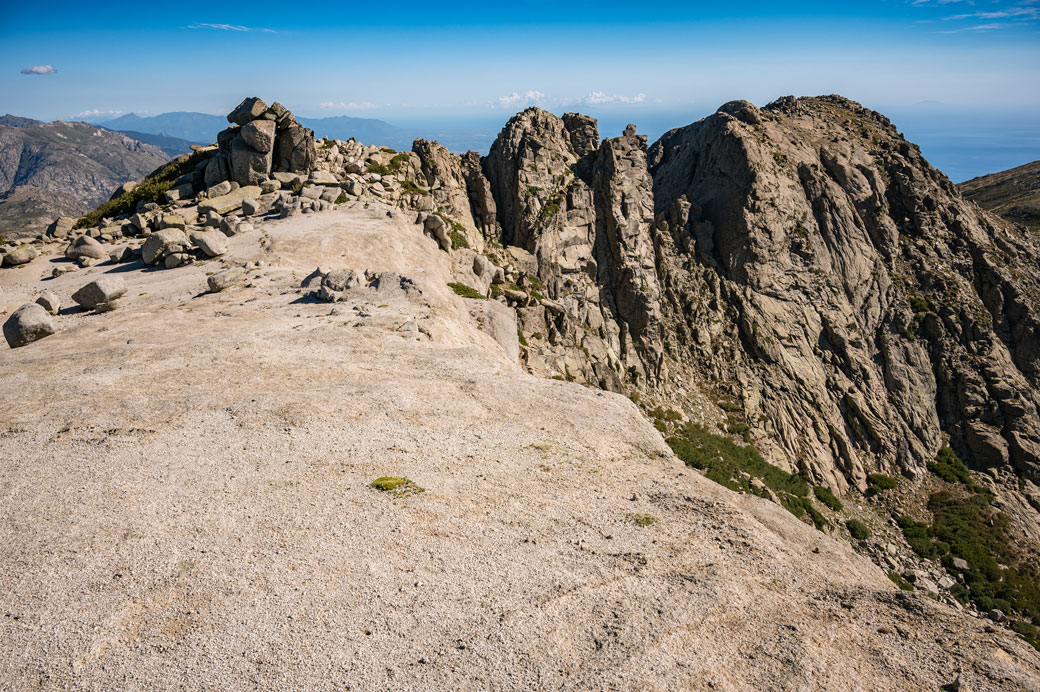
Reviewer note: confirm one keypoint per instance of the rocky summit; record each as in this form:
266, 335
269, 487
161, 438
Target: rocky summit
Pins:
755, 406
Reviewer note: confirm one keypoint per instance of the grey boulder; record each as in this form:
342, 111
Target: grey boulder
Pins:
212, 243
162, 243
85, 246
27, 324
104, 290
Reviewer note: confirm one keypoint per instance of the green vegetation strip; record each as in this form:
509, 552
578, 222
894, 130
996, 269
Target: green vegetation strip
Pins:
151, 189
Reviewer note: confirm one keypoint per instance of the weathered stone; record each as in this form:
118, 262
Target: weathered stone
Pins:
269, 186
103, 290
250, 206
218, 189
248, 166
85, 246
249, 110
20, 255
212, 243
161, 243
27, 324
61, 226
172, 221
225, 279
259, 135
335, 284
50, 302
176, 259
295, 150
225, 204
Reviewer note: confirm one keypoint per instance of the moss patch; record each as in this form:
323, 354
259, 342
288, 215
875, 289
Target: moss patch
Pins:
466, 291
641, 519
397, 486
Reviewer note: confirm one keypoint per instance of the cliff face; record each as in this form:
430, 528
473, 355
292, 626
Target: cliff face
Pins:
802, 259
855, 303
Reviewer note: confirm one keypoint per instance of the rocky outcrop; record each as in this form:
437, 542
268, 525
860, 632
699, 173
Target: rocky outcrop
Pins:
820, 271
584, 211
261, 140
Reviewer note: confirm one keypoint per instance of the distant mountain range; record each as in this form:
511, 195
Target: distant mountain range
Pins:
202, 128
63, 169
1013, 194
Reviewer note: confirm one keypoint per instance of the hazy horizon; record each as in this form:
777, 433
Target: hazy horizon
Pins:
951, 71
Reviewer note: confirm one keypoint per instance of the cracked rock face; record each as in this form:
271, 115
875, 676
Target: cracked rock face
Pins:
822, 271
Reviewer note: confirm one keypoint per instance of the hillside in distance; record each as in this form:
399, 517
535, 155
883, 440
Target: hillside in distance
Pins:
202, 128
1013, 194
61, 169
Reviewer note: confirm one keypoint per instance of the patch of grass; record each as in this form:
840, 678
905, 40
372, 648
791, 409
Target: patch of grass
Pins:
458, 239
520, 338
397, 486
730, 407
537, 296
387, 150
919, 305
725, 462
496, 290
800, 506
641, 519
466, 291
824, 495
329, 144
151, 189
342, 199
536, 283
949, 467
857, 529
411, 188
878, 482
900, 582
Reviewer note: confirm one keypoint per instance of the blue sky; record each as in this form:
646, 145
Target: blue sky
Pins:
408, 61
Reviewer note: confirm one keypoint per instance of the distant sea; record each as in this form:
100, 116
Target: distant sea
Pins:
965, 149
961, 145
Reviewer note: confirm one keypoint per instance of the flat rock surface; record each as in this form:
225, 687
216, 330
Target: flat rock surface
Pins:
185, 504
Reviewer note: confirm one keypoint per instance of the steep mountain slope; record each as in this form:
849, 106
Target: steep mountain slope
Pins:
54, 169
198, 508
1013, 194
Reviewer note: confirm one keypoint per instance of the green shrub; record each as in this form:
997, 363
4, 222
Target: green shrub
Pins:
466, 291
857, 529
800, 506
342, 198
458, 240
949, 467
725, 461
824, 495
878, 482
151, 189
900, 582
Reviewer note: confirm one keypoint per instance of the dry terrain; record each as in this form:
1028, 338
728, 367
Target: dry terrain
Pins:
186, 505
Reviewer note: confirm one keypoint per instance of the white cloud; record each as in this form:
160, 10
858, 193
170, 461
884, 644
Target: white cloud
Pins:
95, 114
343, 106
39, 69
516, 99
977, 27
597, 98
228, 27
